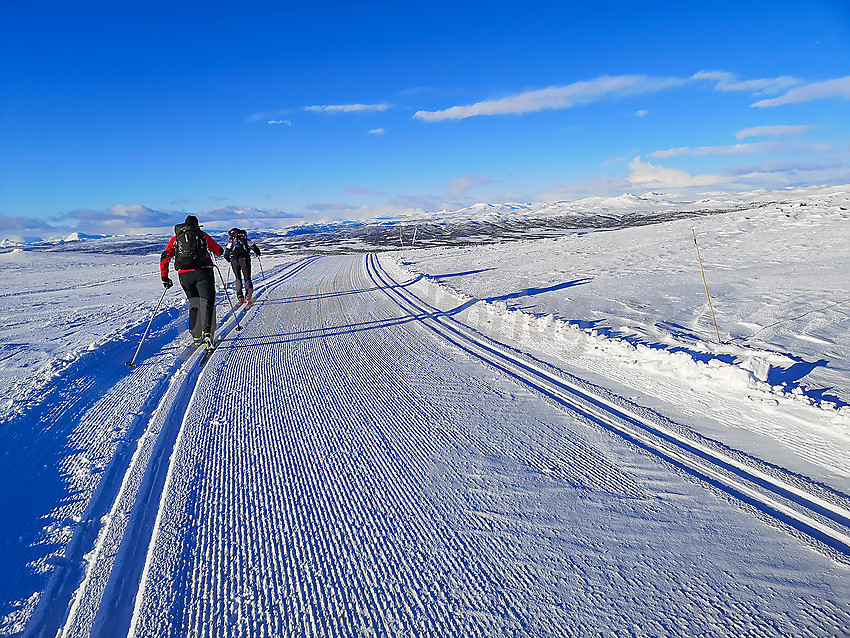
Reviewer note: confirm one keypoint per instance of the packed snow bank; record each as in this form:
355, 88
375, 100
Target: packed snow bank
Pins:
565, 341
776, 274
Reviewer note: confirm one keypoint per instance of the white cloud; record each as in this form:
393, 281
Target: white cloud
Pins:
783, 168
556, 97
134, 218
741, 149
359, 190
599, 186
729, 82
642, 113
242, 214
781, 174
19, 224
460, 186
347, 108
123, 219
648, 175
839, 87
616, 86
377, 131
131, 215
773, 131
286, 122
266, 115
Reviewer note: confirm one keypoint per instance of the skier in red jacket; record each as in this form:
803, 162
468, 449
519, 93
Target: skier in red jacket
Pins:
190, 247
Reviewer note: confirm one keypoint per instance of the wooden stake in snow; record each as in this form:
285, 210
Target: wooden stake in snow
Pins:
706, 286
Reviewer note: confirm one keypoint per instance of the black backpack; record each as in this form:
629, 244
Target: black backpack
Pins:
240, 242
190, 250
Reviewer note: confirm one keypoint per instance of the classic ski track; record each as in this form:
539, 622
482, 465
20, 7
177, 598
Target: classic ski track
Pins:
824, 522
409, 431
340, 497
374, 543
114, 558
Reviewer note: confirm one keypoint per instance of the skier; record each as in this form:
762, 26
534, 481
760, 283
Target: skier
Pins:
238, 253
190, 247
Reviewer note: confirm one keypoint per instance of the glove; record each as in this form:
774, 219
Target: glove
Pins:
256, 250
226, 255
166, 281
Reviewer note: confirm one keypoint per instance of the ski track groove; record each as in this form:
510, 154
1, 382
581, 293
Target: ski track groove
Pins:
366, 488
822, 521
84, 618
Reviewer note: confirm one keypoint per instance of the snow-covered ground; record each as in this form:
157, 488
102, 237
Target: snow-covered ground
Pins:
777, 275
529, 438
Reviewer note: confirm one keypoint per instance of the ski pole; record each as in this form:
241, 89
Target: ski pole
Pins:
132, 363
232, 309
262, 272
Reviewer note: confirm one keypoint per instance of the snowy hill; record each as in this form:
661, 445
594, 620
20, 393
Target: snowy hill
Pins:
82, 237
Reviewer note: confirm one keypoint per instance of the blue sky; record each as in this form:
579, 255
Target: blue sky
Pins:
118, 115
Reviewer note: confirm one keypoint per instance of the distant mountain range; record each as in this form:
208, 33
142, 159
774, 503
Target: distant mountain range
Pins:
479, 223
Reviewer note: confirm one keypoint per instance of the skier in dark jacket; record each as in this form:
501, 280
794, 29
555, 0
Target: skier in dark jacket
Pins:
238, 253
190, 247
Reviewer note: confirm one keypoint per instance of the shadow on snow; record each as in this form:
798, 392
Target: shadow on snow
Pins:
35, 448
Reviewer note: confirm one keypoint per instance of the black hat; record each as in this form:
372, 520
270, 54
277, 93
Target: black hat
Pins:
232, 231
192, 220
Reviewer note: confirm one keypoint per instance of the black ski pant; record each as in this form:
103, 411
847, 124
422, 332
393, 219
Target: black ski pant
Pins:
242, 268
199, 286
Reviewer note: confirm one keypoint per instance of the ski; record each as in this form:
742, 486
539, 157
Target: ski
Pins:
209, 351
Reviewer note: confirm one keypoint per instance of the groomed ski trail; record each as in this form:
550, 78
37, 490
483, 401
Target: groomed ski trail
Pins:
820, 514
105, 597
344, 470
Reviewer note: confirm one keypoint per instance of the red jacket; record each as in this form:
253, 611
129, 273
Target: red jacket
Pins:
168, 254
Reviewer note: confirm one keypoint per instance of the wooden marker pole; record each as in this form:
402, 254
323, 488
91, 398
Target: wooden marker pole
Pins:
706, 286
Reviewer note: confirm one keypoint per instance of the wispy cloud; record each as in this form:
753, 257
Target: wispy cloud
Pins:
346, 108
779, 174
243, 215
260, 116
784, 168
616, 86
460, 186
839, 87
741, 149
725, 81
122, 219
133, 215
556, 97
359, 190
321, 208
18, 224
377, 131
773, 131
134, 218
285, 122
648, 175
